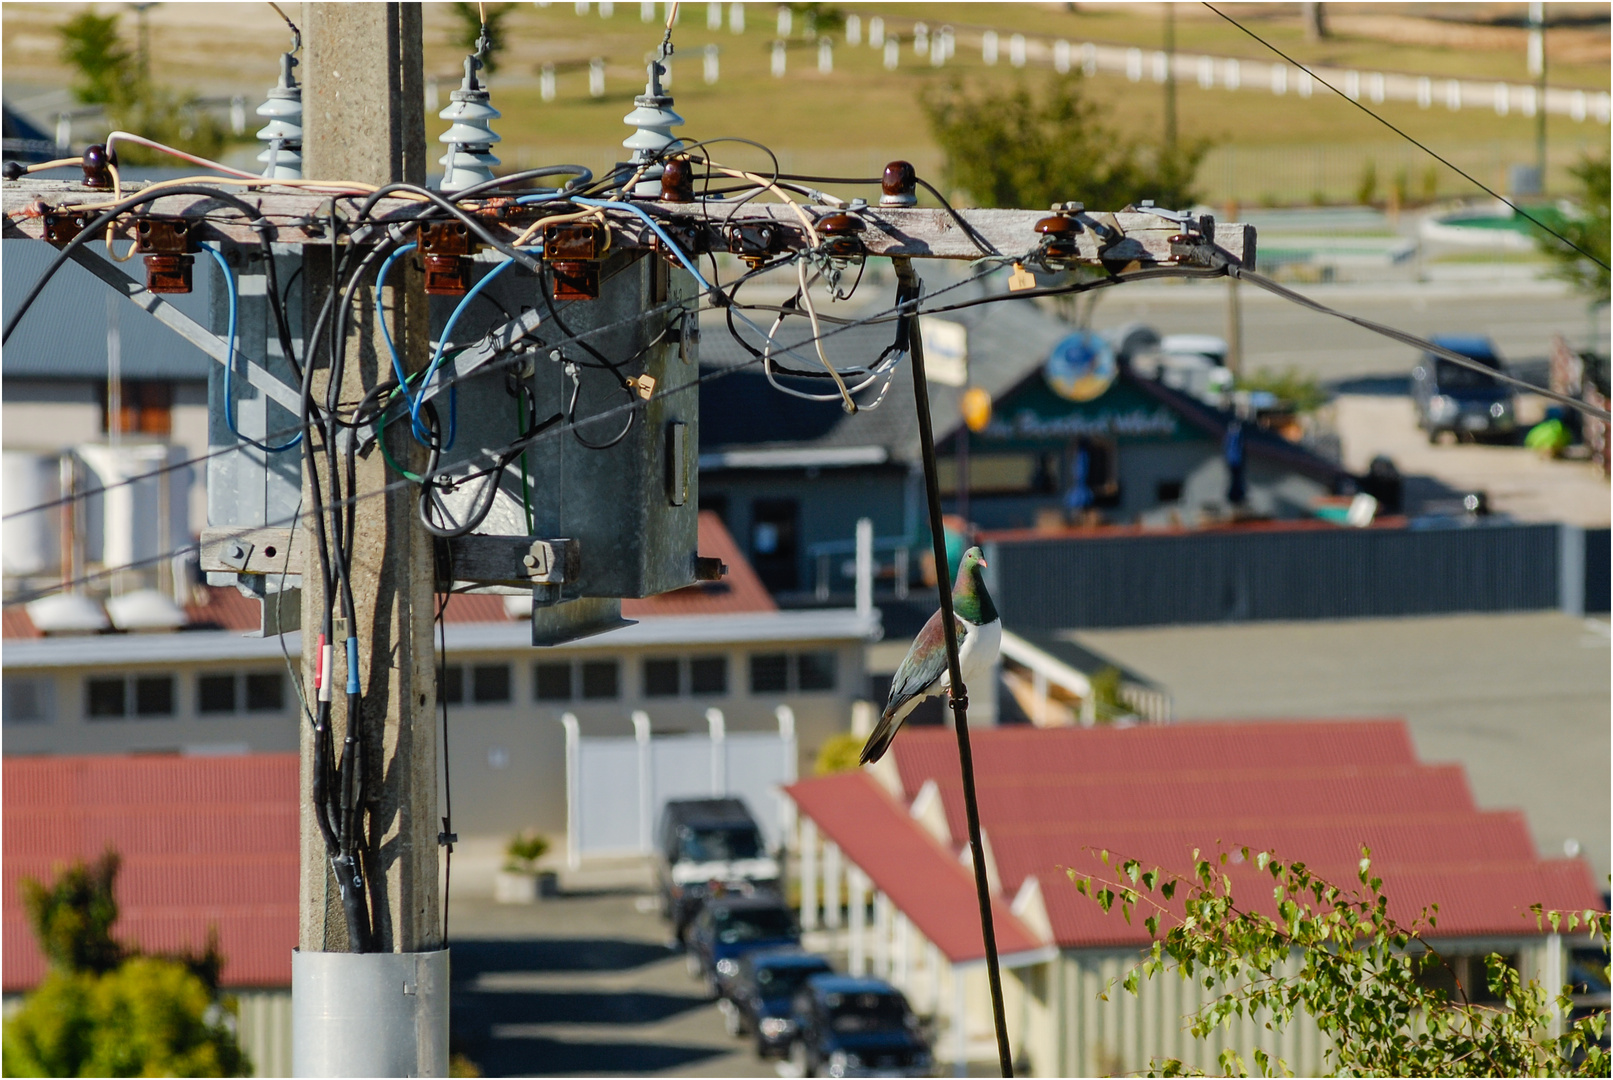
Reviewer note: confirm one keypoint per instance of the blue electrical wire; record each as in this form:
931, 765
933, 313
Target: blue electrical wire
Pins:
229, 361
656, 228
380, 314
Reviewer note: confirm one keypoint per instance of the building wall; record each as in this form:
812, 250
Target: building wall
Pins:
507, 756
831, 500
263, 1027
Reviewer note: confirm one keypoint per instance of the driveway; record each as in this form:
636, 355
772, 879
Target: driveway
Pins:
582, 985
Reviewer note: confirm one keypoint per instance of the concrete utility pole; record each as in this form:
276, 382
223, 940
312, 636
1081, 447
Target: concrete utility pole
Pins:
374, 1014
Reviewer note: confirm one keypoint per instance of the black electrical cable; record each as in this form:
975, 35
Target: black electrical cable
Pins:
447, 838
1443, 161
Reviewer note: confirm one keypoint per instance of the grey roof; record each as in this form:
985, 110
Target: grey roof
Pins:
63, 336
1007, 341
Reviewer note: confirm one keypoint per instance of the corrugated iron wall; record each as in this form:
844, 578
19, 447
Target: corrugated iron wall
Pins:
1207, 577
1598, 570
263, 1026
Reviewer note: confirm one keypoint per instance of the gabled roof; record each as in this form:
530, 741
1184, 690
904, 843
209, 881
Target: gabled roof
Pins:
924, 880
206, 843
1054, 800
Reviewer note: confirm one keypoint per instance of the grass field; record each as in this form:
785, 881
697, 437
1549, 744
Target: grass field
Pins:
861, 115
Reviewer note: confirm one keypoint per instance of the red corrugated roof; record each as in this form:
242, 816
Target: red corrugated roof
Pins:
224, 608
475, 608
206, 843
740, 591
924, 880
15, 623
1311, 791
1272, 745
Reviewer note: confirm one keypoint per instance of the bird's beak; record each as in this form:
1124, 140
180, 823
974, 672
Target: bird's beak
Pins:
983, 562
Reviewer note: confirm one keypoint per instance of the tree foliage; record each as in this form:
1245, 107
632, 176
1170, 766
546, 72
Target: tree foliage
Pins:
1588, 227
1030, 148
104, 1010
839, 753
108, 73
1360, 974
468, 30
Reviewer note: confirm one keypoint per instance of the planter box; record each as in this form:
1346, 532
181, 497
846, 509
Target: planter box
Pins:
512, 887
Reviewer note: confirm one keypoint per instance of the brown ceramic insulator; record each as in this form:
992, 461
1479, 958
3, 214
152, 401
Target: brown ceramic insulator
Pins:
96, 174
899, 185
1057, 226
840, 225
168, 273
446, 275
677, 181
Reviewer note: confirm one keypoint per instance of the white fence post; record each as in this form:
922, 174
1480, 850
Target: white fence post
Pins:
857, 950
719, 753
646, 796
831, 885
573, 792
809, 874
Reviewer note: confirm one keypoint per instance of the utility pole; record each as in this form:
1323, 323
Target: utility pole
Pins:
1170, 78
1537, 68
384, 1012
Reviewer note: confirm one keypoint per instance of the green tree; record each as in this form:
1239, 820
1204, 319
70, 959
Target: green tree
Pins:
1031, 148
1362, 976
102, 1010
468, 30
1588, 227
107, 73
839, 753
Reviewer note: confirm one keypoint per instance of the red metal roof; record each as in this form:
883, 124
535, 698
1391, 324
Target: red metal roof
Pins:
740, 591
1269, 744
224, 608
1310, 790
924, 880
15, 623
205, 842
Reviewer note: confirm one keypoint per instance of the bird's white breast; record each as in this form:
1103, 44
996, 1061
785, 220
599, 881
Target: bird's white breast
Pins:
978, 653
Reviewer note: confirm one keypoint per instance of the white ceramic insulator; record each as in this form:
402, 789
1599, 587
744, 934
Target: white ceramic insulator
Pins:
283, 110
469, 138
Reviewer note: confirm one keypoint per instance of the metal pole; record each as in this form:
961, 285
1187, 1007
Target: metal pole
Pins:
959, 693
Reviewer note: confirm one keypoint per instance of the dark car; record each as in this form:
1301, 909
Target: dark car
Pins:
760, 996
849, 1026
729, 927
1456, 399
708, 847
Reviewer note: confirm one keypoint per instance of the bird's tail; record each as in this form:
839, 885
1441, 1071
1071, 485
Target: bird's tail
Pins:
880, 740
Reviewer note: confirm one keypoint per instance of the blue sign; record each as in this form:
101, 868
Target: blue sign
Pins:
1081, 367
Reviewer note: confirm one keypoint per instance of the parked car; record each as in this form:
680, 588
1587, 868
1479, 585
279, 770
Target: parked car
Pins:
760, 996
847, 1026
728, 928
1456, 399
706, 847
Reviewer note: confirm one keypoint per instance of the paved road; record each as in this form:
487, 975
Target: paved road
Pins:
1520, 700
582, 985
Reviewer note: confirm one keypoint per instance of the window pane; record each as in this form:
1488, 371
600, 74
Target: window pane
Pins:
599, 679
104, 698
553, 681
708, 675
29, 701
490, 683
451, 687
154, 695
265, 692
815, 671
660, 678
769, 673
215, 693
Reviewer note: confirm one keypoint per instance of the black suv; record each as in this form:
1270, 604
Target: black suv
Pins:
707, 847
848, 1026
1457, 399
728, 928
760, 996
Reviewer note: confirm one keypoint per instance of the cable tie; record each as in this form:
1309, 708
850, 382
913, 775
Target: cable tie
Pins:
352, 665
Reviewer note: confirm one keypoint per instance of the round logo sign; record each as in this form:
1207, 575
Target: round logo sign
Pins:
1081, 367
976, 408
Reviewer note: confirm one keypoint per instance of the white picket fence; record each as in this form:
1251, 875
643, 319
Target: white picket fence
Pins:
616, 786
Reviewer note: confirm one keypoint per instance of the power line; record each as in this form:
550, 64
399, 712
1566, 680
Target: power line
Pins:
1443, 161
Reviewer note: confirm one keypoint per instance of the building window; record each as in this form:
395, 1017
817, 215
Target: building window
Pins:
661, 677
552, 682
490, 684
141, 696
769, 673
1168, 491
773, 542
265, 692
29, 701
215, 694
451, 685
815, 671
146, 409
708, 676
600, 680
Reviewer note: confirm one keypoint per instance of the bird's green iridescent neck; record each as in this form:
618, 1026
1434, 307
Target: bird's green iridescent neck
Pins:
971, 601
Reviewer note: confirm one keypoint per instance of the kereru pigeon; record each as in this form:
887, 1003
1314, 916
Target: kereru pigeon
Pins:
924, 670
